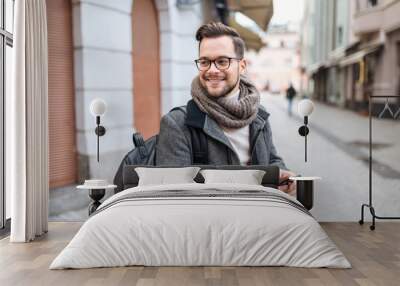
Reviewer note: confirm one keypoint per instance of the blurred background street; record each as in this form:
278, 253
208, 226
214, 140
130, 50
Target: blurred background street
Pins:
338, 152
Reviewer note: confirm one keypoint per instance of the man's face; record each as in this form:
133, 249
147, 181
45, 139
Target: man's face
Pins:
220, 82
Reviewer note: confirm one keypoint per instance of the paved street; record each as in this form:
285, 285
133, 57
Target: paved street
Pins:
338, 152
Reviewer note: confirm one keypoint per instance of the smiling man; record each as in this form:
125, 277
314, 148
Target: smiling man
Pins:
224, 115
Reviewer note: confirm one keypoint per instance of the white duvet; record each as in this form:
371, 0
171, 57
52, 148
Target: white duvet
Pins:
226, 231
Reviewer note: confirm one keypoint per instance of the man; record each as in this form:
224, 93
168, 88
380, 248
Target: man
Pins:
290, 94
225, 106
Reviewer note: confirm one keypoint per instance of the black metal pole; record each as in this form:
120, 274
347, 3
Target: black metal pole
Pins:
98, 130
98, 147
305, 153
305, 137
370, 151
371, 208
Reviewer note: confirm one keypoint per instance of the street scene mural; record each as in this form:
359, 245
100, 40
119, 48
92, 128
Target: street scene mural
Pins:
137, 58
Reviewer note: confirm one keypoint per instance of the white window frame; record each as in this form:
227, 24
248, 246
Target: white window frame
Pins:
6, 39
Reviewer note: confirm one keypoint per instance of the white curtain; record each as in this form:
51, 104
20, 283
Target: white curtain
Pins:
27, 123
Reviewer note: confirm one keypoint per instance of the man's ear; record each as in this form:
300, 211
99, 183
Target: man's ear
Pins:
242, 66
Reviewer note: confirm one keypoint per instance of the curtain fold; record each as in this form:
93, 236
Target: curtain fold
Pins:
28, 121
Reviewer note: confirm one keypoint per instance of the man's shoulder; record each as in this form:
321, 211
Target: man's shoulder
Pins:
178, 114
178, 109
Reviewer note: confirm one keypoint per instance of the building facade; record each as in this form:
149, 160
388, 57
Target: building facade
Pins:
277, 64
324, 37
135, 55
350, 50
138, 56
377, 25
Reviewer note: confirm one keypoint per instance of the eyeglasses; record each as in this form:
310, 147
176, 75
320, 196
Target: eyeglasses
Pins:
221, 63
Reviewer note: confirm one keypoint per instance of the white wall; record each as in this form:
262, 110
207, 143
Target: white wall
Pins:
178, 51
103, 68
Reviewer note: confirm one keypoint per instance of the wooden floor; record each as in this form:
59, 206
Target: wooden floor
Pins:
374, 255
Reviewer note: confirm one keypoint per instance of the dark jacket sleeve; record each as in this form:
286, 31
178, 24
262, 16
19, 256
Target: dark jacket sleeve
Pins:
274, 158
173, 147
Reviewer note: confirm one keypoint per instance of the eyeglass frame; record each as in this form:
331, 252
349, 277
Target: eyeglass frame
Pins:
213, 62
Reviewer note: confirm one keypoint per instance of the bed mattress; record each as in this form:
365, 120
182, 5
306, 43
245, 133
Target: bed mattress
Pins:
201, 225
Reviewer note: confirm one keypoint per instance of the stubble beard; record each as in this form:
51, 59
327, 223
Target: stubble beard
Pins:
226, 90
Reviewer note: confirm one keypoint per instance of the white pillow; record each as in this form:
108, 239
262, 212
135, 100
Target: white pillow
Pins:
163, 176
248, 177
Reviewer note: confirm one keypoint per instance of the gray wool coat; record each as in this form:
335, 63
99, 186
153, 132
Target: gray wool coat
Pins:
174, 142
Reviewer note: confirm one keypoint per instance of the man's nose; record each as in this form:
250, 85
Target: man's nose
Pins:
213, 68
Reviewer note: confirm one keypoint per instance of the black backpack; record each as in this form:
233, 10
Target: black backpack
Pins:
144, 152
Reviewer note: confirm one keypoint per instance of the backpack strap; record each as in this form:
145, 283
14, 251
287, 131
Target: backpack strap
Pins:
199, 146
198, 138
139, 143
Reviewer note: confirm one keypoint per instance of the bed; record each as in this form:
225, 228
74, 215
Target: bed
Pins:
201, 224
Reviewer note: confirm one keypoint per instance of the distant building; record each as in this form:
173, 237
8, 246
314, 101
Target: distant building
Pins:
351, 50
277, 64
376, 57
324, 39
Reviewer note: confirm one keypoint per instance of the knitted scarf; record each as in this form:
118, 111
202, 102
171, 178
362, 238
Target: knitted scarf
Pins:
227, 112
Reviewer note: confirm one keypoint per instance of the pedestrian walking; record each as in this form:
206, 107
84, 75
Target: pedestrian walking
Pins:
290, 94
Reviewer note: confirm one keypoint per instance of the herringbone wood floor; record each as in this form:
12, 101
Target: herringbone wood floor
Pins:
375, 257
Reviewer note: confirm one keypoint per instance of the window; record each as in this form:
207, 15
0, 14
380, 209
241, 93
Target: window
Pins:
356, 72
340, 36
288, 62
372, 3
6, 43
371, 62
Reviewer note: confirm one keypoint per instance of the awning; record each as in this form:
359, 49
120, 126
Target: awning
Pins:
260, 11
315, 68
252, 39
359, 55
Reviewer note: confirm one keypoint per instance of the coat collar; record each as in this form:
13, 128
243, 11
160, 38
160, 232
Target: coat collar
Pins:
261, 119
198, 119
194, 116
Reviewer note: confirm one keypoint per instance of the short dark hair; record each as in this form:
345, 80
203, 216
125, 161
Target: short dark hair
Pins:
217, 29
